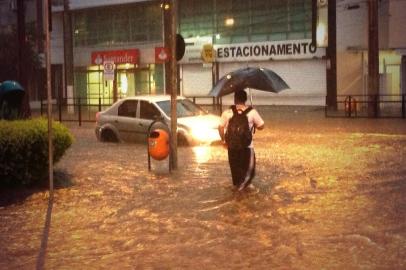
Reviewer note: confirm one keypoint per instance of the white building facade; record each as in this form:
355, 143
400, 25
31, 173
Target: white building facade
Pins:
352, 47
273, 34
266, 33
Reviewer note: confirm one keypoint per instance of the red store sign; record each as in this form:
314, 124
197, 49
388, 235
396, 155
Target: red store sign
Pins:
118, 56
161, 55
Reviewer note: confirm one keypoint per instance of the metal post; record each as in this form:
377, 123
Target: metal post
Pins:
42, 106
373, 56
331, 51
60, 107
174, 92
80, 112
376, 106
67, 48
349, 106
49, 101
314, 21
115, 93
403, 107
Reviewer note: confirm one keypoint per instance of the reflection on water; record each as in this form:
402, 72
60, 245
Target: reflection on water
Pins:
321, 200
202, 153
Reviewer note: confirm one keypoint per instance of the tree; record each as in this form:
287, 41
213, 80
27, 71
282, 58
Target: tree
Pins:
9, 59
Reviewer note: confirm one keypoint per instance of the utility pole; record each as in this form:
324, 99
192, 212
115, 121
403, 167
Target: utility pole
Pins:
22, 70
331, 51
174, 85
373, 58
166, 29
47, 10
21, 40
40, 26
67, 49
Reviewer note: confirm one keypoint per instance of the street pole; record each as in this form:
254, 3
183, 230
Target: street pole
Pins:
331, 52
22, 69
49, 101
67, 50
21, 40
174, 92
373, 58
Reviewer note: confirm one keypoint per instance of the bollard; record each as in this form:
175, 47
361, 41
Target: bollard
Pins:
350, 105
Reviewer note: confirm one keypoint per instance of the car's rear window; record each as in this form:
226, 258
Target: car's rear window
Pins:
184, 108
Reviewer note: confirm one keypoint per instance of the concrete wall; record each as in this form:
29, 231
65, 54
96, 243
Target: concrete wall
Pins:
397, 24
306, 79
352, 44
352, 40
56, 39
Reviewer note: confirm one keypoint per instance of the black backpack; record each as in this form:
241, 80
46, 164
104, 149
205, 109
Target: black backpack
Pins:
238, 134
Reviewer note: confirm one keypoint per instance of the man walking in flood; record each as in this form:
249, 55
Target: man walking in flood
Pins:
236, 128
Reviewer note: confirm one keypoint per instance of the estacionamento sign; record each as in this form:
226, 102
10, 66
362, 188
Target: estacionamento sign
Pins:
259, 51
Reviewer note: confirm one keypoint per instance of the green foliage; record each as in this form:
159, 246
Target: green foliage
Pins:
24, 150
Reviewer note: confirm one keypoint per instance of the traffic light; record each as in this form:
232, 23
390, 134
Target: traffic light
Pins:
180, 47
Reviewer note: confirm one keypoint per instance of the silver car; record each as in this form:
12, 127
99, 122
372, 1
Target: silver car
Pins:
130, 118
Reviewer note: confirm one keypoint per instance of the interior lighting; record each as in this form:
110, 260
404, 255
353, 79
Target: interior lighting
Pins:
321, 34
165, 6
124, 83
229, 22
202, 153
218, 36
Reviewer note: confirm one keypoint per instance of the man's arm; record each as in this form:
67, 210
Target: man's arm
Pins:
221, 132
258, 121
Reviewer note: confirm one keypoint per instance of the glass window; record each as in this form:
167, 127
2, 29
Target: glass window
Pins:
90, 83
119, 24
254, 20
128, 108
184, 108
148, 111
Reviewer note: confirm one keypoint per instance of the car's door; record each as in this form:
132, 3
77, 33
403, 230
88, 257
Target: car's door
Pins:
147, 114
127, 121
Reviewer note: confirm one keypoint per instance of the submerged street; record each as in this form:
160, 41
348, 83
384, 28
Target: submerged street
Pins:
328, 194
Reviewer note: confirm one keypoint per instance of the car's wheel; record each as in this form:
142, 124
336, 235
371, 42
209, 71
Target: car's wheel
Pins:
182, 141
108, 136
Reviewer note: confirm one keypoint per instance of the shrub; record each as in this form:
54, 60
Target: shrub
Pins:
24, 150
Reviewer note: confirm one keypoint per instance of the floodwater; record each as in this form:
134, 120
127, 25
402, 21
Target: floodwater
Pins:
328, 194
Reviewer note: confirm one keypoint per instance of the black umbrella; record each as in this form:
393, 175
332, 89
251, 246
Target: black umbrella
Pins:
250, 77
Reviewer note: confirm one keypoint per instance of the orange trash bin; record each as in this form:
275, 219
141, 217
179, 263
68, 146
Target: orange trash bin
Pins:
158, 144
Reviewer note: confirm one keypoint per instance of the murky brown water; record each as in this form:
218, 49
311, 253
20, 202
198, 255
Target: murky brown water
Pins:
329, 194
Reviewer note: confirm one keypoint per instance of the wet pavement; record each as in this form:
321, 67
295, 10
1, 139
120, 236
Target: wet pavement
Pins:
328, 194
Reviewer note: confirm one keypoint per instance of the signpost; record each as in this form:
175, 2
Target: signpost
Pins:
108, 72
46, 4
